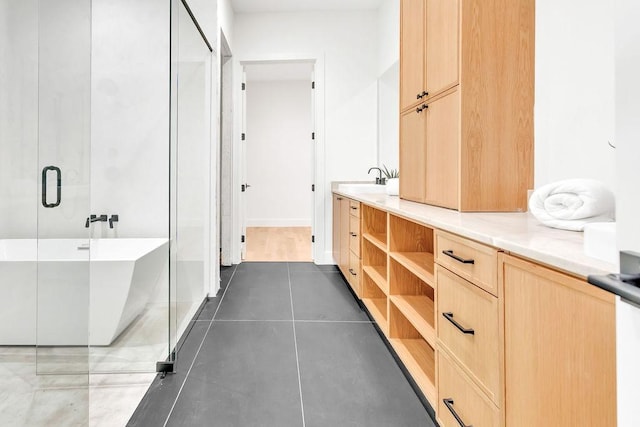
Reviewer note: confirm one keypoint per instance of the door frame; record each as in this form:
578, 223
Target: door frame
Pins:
318, 249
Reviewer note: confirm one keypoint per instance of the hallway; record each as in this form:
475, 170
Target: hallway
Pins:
284, 344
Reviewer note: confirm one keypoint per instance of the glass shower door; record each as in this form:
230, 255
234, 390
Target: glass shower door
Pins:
63, 202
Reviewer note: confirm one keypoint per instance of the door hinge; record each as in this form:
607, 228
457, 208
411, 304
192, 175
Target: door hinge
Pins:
244, 86
242, 238
243, 136
313, 85
313, 187
313, 135
243, 188
313, 239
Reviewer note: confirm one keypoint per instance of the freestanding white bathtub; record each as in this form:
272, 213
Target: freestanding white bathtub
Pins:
58, 292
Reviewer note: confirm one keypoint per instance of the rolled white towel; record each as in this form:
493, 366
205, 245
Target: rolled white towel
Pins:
572, 203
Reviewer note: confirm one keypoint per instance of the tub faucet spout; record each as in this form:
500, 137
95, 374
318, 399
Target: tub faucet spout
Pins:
95, 218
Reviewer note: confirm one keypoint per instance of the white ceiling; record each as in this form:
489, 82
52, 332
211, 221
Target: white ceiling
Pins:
279, 71
255, 6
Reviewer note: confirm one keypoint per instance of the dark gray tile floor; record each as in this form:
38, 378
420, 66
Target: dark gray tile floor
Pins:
284, 344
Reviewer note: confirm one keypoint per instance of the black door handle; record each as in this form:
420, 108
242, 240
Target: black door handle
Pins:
449, 317
449, 404
450, 253
44, 187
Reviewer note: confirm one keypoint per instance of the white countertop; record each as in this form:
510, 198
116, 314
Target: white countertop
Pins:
518, 233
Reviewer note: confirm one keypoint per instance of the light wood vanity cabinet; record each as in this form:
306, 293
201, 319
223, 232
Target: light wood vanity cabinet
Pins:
470, 350
559, 345
490, 339
473, 149
346, 239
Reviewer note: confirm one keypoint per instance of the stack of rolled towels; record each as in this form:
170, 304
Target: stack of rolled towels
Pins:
572, 203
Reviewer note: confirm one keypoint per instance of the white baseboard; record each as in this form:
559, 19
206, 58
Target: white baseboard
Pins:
279, 222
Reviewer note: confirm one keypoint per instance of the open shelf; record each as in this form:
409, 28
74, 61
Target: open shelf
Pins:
380, 240
414, 351
376, 302
419, 263
419, 359
378, 309
415, 299
419, 310
374, 226
412, 245
378, 274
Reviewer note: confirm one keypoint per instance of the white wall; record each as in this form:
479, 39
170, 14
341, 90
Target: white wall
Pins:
206, 13
388, 83
226, 20
574, 99
346, 42
279, 153
388, 35
18, 119
130, 117
627, 61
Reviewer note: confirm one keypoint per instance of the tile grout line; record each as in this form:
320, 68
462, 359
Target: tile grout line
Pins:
204, 337
295, 344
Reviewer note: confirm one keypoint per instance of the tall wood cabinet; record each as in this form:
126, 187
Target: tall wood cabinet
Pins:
466, 101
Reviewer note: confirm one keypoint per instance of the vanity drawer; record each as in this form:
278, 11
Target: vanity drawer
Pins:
354, 273
475, 262
354, 235
468, 327
354, 208
458, 395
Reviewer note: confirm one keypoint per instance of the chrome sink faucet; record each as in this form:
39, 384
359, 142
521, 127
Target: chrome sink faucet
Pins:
379, 179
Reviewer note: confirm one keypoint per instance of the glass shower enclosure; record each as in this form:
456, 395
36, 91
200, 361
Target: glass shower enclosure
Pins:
105, 110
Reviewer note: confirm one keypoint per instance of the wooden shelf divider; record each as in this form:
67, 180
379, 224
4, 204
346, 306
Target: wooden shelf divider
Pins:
419, 263
419, 359
419, 310
378, 274
378, 239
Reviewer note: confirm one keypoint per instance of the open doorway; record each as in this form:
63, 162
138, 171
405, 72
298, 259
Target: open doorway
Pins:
278, 145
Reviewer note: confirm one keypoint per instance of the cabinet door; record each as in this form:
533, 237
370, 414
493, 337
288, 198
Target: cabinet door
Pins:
336, 228
412, 155
412, 51
442, 151
442, 44
560, 359
345, 238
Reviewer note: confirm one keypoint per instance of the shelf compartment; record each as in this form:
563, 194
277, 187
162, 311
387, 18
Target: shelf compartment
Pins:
412, 245
414, 298
374, 264
378, 275
419, 359
419, 263
374, 226
380, 240
415, 352
376, 302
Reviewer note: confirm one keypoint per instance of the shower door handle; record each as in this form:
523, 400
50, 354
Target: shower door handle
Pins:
58, 186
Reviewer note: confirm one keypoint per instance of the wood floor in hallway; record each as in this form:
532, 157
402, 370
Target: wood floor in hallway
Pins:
290, 244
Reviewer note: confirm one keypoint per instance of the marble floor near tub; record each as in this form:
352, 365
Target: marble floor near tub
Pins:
79, 386
286, 344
